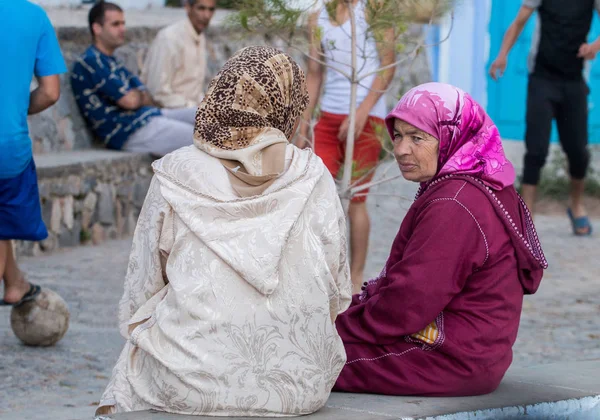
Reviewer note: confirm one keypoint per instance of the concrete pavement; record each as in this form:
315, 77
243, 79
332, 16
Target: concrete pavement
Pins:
559, 323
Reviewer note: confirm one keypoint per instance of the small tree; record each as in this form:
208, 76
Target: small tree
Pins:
387, 24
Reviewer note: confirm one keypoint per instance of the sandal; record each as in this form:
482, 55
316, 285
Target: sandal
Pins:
579, 224
34, 290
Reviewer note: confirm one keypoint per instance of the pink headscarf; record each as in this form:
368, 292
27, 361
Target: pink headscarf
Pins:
469, 141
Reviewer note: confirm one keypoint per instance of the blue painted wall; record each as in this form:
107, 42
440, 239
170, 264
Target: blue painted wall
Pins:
506, 99
464, 58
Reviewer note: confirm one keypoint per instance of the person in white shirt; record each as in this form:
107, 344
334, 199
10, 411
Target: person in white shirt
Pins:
175, 67
330, 90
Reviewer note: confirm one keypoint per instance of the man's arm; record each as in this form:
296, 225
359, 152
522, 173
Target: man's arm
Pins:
589, 51
135, 99
314, 80
511, 36
49, 63
45, 95
130, 95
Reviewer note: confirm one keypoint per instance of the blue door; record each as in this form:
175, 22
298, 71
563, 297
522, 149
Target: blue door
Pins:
507, 97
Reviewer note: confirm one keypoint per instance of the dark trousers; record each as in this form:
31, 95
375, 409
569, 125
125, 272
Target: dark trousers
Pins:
566, 102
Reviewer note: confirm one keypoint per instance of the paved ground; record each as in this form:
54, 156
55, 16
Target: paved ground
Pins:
560, 322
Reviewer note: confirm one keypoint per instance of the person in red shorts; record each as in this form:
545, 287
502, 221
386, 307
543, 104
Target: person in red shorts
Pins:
333, 48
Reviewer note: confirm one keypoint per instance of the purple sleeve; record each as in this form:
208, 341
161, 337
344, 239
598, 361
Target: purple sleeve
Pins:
445, 247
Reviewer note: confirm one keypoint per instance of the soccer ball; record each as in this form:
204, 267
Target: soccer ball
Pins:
42, 321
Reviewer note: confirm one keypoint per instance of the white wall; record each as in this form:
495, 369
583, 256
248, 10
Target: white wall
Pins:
126, 4
463, 56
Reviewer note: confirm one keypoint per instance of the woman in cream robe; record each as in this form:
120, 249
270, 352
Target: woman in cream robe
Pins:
238, 266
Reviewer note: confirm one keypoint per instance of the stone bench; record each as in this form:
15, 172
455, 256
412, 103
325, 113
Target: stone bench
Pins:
88, 196
557, 391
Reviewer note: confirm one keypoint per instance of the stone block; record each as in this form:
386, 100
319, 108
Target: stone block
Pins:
50, 243
74, 184
56, 215
68, 212
120, 219
88, 210
46, 204
140, 189
568, 390
77, 207
89, 202
98, 234
58, 188
66, 134
64, 106
44, 189
111, 233
36, 250
89, 184
88, 197
125, 191
106, 204
70, 237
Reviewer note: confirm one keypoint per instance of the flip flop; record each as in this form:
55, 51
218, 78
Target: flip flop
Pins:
34, 290
579, 224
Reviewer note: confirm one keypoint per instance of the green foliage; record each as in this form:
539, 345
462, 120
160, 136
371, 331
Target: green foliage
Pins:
227, 4
85, 236
388, 19
275, 17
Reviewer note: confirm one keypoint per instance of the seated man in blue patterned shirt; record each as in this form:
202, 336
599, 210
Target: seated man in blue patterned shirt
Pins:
115, 103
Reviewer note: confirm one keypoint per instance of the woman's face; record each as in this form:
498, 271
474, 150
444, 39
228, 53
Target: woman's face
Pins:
416, 152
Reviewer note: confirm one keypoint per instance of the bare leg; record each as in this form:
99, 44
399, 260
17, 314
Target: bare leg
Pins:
577, 206
360, 225
15, 286
529, 192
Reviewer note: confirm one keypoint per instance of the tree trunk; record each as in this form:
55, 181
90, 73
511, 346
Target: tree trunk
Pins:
345, 192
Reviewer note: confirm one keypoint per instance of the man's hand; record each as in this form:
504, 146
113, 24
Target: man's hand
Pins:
362, 116
147, 99
498, 66
587, 51
135, 99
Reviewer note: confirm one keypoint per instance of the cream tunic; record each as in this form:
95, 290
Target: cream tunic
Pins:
175, 66
229, 302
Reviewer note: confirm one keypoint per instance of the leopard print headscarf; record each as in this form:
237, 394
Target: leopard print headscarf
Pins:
248, 115
258, 88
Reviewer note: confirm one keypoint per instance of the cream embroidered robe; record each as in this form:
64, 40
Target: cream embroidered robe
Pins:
229, 302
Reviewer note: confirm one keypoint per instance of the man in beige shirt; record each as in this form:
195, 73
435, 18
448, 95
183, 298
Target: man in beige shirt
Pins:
175, 67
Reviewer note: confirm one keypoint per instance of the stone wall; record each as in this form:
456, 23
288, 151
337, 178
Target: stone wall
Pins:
126, 4
91, 197
61, 127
